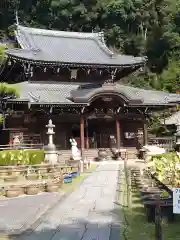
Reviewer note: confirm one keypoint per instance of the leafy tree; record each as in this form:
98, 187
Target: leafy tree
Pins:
2, 52
7, 91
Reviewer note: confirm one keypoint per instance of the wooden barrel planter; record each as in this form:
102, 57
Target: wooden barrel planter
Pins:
150, 191
42, 170
42, 187
52, 187
12, 192
145, 183
11, 178
21, 189
51, 168
44, 176
166, 209
50, 175
32, 177
32, 189
57, 174
3, 173
18, 172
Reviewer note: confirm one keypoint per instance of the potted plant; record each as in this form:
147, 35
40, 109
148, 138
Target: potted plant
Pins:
10, 178
115, 153
44, 176
32, 189
166, 205
31, 174
54, 185
12, 192
102, 154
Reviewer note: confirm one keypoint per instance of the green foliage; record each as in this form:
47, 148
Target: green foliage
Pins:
171, 77
1, 119
7, 90
21, 157
2, 52
166, 168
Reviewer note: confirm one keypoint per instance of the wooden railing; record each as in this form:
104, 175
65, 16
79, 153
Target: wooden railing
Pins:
164, 142
22, 146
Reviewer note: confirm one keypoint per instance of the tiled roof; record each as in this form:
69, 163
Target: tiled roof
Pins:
61, 93
41, 92
68, 48
173, 119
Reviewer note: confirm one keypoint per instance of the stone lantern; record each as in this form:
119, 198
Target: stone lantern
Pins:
51, 155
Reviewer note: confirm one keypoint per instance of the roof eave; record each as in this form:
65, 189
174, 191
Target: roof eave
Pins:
153, 105
50, 103
73, 64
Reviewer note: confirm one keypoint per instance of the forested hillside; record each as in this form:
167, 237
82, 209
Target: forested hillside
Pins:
137, 27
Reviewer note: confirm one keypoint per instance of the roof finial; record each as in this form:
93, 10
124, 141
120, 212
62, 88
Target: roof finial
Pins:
17, 20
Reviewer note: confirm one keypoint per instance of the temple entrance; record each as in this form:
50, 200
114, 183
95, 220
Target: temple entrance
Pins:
99, 132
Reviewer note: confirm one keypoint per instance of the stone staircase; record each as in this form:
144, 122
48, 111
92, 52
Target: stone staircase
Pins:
91, 154
131, 152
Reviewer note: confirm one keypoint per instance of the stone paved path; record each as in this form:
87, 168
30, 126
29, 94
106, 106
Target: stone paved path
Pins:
17, 214
87, 214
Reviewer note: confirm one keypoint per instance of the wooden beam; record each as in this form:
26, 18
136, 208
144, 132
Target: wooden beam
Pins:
145, 132
82, 136
118, 134
87, 135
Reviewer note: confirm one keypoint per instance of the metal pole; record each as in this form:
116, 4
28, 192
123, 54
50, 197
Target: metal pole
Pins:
158, 220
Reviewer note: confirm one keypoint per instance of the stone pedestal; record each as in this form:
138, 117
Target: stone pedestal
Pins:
51, 157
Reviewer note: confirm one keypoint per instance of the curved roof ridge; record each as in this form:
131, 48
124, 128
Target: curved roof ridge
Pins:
48, 32
34, 97
24, 39
102, 44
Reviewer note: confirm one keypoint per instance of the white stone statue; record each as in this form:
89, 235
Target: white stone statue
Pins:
74, 149
16, 140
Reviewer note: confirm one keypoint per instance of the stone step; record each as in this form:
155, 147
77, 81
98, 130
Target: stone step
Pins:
92, 153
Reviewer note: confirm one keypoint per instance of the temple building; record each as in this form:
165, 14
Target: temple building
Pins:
75, 79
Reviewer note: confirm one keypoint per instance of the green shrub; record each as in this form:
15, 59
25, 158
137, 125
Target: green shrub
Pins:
168, 155
166, 168
22, 157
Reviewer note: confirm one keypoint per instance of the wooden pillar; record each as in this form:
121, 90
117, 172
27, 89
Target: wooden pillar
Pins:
145, 132
87, 136
82, 137
118, 137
